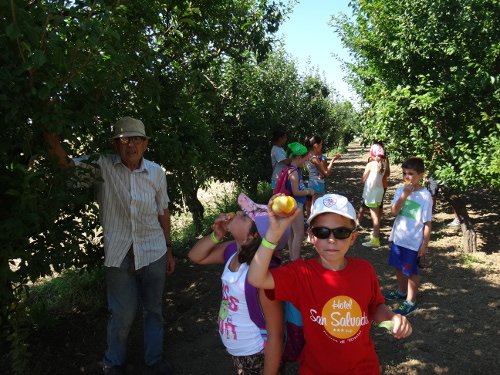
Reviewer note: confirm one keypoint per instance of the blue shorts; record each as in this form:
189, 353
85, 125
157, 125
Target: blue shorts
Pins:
403, 259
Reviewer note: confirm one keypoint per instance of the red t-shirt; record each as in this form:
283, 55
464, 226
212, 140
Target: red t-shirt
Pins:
335, 308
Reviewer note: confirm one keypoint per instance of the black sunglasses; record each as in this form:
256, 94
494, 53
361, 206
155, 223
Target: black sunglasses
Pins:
340, 233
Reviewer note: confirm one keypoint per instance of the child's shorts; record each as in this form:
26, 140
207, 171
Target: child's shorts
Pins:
403, 259
318, 187
373, 205
249, 364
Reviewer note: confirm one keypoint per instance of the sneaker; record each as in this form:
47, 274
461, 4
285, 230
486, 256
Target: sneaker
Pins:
406, 308
374, 242
394, 295
455, 223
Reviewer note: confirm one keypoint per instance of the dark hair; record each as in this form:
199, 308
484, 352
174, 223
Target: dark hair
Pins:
309, 142
417, 164
277, 134
249, 249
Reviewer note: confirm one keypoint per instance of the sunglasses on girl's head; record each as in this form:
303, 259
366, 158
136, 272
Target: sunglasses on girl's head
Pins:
340, 233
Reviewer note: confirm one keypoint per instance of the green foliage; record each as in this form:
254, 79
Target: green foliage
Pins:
427, 72
42, 305
72, 292
258, 97
75, 67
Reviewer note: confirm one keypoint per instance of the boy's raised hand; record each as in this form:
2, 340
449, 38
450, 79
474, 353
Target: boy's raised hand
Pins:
408, 189
278, 224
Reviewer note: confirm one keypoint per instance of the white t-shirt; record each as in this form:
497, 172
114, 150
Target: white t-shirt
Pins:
408, 228
238, 332
278, 154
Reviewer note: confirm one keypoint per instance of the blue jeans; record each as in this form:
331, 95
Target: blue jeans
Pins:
124, 289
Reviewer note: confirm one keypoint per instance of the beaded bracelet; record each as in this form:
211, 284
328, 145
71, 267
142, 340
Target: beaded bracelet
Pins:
268, 245
214, 238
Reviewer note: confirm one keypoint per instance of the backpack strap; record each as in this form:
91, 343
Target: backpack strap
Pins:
253, 302
229, 251
280, 187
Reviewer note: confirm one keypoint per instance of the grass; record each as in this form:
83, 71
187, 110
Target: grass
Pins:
73, 291
469, 260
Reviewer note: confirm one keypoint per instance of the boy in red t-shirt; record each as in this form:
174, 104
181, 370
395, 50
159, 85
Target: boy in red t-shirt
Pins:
338, 296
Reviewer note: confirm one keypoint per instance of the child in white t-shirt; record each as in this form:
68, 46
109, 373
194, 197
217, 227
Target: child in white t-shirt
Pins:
279, 159
410, 235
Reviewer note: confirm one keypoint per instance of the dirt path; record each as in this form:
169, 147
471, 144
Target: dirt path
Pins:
456, 327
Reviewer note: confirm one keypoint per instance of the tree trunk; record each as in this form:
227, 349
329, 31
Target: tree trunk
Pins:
196, 208
469, 241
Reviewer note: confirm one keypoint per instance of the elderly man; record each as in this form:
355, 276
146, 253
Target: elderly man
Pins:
134, 213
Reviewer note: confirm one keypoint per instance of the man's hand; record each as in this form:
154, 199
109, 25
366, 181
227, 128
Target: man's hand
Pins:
56, 150
170, 262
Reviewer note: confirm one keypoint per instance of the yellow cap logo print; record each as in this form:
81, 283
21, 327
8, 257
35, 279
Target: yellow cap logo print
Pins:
343, 317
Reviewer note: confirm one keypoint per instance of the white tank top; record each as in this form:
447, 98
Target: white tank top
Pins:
314, 173
239, 334
374, 190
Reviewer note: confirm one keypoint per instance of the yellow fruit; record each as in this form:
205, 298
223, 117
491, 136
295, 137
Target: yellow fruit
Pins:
284, 206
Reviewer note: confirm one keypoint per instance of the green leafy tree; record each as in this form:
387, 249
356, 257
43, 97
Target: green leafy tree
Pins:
74, 68
257, 97
428, 75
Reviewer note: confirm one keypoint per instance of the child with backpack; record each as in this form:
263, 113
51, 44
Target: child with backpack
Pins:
250, 324
338, 296
290, 182
318, 167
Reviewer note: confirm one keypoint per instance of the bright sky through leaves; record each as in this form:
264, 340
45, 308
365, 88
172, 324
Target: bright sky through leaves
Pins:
309, 38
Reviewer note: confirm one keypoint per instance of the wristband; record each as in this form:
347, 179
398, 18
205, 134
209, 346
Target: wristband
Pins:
268, 245
214, 238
